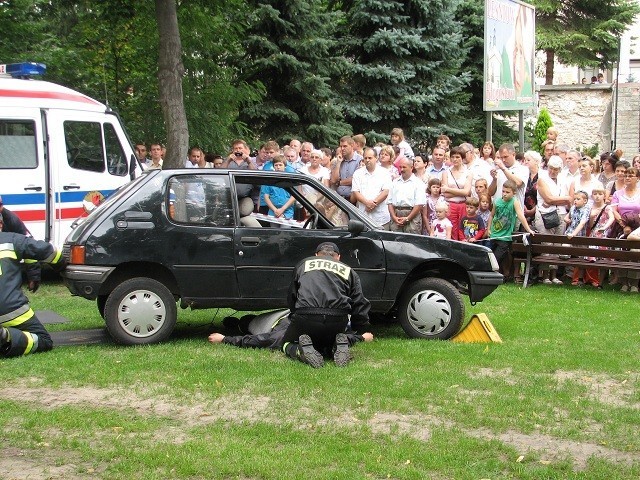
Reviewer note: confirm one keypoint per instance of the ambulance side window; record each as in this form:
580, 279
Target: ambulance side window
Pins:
84, 145
18, 144
116, 158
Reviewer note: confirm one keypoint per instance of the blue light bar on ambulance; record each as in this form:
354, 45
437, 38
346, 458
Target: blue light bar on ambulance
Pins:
22, 70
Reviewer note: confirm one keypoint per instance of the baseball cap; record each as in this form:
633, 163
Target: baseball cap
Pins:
328, 246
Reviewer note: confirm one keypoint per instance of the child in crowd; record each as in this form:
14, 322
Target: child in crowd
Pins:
600, 220
484, 209
433, 198
471, 225
441, 227
502, 223
279, 201
576, 221
552, 134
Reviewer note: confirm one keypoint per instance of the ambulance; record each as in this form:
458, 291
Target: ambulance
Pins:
61, 152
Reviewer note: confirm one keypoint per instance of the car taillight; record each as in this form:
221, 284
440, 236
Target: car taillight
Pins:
77, 255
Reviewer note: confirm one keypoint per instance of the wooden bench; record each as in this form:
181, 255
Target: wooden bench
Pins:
560, 250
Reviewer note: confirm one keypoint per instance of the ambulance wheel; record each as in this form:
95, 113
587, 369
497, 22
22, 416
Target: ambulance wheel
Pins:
101, 301
431, 308
140, 311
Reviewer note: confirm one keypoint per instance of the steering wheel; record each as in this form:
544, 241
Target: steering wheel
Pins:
312, 221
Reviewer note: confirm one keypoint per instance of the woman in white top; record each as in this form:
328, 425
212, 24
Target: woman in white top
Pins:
586, 182
317, 171
549, 198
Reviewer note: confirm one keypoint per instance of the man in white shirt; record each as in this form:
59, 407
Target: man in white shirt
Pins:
506, 168
370, 186
406, 199
478, 168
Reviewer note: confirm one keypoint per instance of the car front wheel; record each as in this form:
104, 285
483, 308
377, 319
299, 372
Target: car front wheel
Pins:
431, 308
140, 311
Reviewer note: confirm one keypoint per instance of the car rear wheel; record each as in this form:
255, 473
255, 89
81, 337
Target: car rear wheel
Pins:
431, 308
140, 311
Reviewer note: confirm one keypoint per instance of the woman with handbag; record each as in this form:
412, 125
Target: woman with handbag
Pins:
547, 219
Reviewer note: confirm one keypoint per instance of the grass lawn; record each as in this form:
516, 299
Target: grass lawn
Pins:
560, 398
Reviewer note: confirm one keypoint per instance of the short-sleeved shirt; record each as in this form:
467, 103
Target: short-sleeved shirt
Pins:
278, 196
521, 172
347, 169
503, 222
407, 193
370, 184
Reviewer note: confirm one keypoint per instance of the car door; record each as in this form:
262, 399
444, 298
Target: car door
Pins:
266, 255
199, 237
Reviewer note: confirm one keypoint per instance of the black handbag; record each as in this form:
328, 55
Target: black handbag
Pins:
550, 219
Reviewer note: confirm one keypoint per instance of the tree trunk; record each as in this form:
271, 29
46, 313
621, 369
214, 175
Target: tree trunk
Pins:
548, 76
170, 71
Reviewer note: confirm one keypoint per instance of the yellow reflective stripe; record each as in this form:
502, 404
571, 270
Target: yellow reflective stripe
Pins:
29, 343
54, 257
20, 319
28, 260
8, 254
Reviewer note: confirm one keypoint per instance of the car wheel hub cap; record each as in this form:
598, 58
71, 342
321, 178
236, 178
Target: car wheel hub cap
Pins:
141, 313
429, 312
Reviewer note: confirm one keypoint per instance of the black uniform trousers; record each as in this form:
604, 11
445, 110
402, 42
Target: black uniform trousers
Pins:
321, 328
28, 337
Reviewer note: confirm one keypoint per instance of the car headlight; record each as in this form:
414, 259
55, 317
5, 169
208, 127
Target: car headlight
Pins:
494, 262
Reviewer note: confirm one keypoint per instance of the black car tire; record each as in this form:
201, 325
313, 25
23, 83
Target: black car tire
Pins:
431, 308
140, 311
101, 301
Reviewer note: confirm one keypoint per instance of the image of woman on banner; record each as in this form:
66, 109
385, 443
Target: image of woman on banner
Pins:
522, 55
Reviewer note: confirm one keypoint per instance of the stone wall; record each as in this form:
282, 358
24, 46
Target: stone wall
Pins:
628, 126
585, 115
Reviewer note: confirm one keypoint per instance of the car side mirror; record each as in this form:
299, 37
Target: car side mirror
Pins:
355, 227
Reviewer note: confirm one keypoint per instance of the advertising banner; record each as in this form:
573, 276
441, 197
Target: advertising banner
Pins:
509, 53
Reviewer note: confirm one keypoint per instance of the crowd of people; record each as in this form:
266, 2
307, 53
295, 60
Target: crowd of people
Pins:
483, 195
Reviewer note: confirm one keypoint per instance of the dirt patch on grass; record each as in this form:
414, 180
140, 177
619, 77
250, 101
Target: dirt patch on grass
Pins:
550, 449
602, 388
245, 407
17, 464
415, 426
504, 374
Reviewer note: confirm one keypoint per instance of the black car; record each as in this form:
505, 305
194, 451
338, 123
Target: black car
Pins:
191, 236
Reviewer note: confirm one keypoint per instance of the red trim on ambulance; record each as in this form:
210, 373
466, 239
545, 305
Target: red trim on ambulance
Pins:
73, 97
38, 215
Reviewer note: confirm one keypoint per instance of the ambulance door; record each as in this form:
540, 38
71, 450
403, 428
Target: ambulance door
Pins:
23, 171
89, 154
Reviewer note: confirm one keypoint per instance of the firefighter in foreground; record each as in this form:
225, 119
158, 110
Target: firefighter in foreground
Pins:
21, 332
323, 294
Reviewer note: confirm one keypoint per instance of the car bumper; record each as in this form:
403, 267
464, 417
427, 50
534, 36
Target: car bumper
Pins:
85, 280
481, 284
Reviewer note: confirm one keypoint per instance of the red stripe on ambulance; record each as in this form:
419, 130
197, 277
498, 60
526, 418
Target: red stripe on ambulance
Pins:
49, 95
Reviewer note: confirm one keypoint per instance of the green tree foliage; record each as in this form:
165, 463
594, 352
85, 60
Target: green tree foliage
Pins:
583, 33
109, 51
288, 49
404, 59
540, 130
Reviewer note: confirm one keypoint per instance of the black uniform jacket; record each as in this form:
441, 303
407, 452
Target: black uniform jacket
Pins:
324, 285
